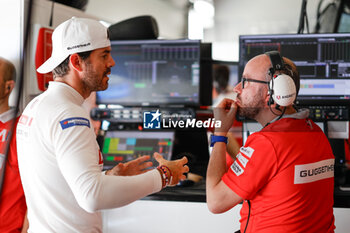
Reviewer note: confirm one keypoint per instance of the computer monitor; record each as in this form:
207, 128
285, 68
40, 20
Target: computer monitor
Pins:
157, 72
122, 146
323, 61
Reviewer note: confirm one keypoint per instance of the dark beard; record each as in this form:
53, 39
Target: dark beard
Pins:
250, 113
251, 110
91, 81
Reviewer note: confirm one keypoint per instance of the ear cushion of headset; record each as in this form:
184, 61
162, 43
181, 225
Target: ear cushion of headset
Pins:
284, 91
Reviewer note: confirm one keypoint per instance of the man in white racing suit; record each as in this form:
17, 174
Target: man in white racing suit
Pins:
60, 161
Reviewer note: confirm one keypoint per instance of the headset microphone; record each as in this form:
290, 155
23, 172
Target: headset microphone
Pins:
282, 88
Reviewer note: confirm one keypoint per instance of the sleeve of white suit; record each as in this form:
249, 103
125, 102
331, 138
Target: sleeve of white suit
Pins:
77, 154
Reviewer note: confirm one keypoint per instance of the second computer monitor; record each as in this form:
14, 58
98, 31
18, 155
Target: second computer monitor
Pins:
323, 61
155, 72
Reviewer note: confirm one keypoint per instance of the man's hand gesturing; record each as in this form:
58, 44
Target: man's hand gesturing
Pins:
177, 168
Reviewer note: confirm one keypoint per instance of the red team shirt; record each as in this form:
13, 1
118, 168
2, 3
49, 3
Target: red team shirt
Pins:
286, 170
12, 202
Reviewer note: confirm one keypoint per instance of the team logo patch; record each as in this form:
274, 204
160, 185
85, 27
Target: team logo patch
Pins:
151, 120
237, 169
74, 121
312, 172
243, 160
248, 151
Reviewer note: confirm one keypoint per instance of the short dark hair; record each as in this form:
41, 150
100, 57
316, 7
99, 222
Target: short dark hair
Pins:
63, 68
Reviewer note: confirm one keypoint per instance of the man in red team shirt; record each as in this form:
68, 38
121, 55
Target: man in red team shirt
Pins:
285, 172
12, 202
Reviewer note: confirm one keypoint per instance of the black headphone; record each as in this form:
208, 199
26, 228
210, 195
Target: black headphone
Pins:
282, 88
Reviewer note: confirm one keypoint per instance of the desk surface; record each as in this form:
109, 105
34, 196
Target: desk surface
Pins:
193, 193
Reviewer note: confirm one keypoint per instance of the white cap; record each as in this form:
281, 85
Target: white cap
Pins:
74, 36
